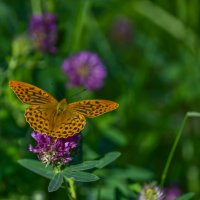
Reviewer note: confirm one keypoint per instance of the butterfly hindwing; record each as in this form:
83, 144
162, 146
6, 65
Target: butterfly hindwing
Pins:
93, 108
47, 121
68, 127
38, 119
30, 94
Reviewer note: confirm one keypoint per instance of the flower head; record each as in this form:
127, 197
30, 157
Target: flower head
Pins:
54, 151
122, 30
151, 192
43, 32
85, 69
171, 193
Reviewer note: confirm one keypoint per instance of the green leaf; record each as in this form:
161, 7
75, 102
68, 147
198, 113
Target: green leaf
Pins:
107, 159
37, 167
137, 173
80, 176
55, 182
134, 173
187, 196
116, 136
135, 187
84, 166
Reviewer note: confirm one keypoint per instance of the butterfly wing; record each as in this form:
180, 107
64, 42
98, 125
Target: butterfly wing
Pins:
67, 125
93, 108
30, 94
44, 116
39, 118
46, 120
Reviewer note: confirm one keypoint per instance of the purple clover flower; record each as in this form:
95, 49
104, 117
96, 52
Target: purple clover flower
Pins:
54, 151
85, 69
122, 30
172, 193
43, 31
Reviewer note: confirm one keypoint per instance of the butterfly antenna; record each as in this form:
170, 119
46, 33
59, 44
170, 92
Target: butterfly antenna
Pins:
81, 91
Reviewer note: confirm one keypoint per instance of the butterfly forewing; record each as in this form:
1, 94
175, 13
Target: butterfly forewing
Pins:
30, 94
93, 108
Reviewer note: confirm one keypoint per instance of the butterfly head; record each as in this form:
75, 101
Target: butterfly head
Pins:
62, 105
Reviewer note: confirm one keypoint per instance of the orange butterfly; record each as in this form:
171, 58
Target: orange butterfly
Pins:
57, 119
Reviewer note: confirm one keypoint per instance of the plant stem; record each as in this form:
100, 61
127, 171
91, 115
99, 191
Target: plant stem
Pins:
36, 7
72, 189
164, 174
49, 5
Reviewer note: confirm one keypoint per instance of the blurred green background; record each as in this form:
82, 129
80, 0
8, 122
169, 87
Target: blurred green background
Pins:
152, 54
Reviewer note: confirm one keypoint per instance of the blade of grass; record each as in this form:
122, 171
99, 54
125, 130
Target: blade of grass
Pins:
84, 7
178, 135
168, 22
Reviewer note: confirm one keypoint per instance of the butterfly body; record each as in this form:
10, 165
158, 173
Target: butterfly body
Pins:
62, 105
57, 119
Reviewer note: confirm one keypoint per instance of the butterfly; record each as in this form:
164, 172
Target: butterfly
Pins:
57, 118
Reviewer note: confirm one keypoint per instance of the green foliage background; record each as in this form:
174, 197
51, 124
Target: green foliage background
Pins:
153, 73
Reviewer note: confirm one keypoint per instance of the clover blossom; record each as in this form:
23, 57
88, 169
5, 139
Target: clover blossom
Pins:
54, 151
43, 32
171, 193
151, 192
85, 69
122, 30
